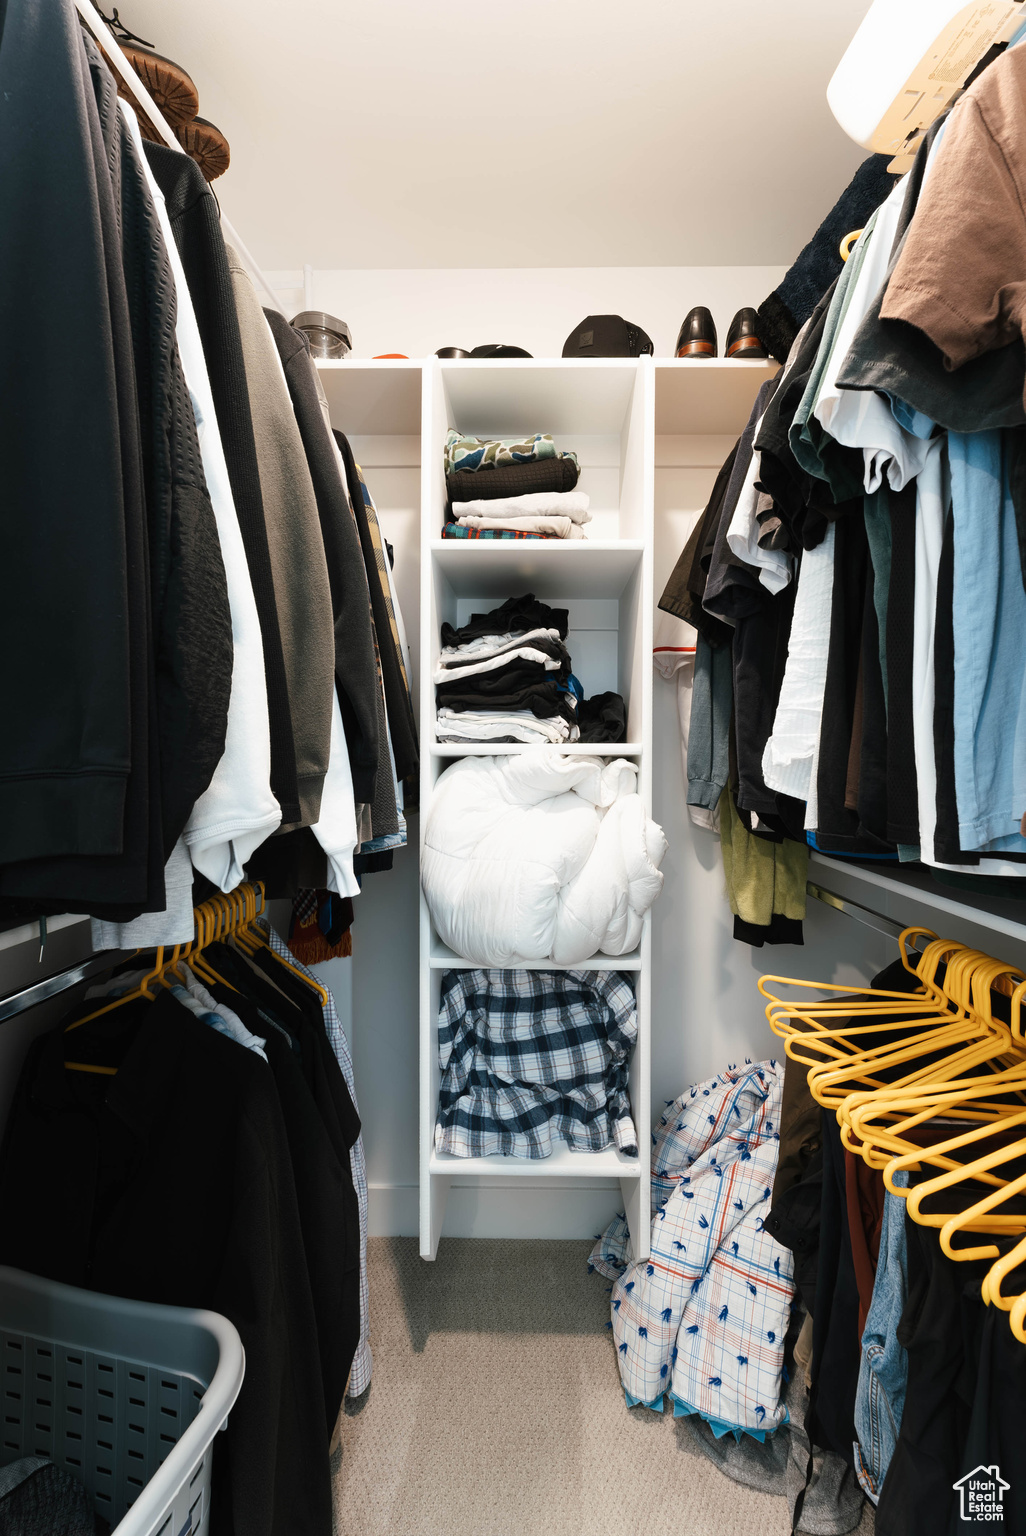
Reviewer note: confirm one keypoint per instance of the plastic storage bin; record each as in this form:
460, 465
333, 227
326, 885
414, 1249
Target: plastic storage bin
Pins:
126, 1396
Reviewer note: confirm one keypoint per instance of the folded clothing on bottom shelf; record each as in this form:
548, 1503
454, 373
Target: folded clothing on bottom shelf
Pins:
513, 662
553, 527
539, 856
458, 531
503, 726
526, 1054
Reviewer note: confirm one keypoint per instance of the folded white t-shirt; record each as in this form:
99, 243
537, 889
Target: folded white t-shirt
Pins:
491, 645
572, 504
492, 663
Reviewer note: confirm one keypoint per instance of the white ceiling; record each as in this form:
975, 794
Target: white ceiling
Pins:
481, 133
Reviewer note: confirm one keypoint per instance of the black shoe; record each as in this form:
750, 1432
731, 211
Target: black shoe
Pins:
742, 338
697, 336
451, 352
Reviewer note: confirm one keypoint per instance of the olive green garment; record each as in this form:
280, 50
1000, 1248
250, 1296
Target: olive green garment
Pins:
764, 879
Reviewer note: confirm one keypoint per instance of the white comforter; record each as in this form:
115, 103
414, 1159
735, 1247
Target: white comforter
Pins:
540, 856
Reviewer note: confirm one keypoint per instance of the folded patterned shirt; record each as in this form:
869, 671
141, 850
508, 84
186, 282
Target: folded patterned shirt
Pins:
704, 1318
455, 531
559, 527
525, 1054
474, 454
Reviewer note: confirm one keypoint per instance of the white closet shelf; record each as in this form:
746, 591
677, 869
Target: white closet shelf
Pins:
373, 397
504, 748
707, 395
893, 893
562, 1163
554, 568
552, 394
442, 958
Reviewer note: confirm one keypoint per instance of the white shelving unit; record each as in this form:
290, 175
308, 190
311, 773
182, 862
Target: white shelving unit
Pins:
614, 413
602, 409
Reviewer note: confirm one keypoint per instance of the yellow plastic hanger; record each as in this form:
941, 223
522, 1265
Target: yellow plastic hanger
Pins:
973, 1038
944, 1086
258, 939
942, 1020
847, 244
210, 921
156, 976
838, 1053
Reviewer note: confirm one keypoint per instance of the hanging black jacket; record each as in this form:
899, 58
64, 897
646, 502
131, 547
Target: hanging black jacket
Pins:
66, 748
355, 668
402, 728
192, 623
81, 726
192, 209
172, 1182
321, 1127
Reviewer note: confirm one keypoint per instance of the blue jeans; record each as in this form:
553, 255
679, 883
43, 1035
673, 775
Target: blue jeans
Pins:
880, 1395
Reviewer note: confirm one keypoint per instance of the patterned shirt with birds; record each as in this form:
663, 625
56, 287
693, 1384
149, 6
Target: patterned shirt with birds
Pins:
704, 1318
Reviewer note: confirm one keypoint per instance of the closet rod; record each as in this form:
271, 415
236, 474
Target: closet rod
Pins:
144, 101
50, 986
864, 915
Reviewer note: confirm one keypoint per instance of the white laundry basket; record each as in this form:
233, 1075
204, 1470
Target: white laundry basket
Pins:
126, 1396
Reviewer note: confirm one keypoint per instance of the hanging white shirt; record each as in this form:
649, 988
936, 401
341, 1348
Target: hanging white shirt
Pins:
774, 565
790, 752
335, 828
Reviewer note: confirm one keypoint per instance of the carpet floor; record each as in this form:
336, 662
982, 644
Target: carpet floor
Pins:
496, 1410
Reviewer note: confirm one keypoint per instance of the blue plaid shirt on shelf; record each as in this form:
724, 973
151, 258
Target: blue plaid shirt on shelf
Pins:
704, 1318
526, 1053
360, 1375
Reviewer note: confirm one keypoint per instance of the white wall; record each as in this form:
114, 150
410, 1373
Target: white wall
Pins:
536, 308
707, 1011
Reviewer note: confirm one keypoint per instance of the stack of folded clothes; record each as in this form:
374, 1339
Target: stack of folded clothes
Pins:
500, 489
506, 676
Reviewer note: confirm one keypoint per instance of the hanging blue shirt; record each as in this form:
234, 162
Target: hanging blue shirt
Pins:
989, 611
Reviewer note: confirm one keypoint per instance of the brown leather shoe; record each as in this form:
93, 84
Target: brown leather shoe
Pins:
697, 336
742, 338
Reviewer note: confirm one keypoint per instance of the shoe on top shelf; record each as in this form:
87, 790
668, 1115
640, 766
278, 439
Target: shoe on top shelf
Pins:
697, 336
743, 338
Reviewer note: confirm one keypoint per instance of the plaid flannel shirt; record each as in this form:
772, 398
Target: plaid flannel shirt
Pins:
360, 1375
705, 1317
526, 1052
